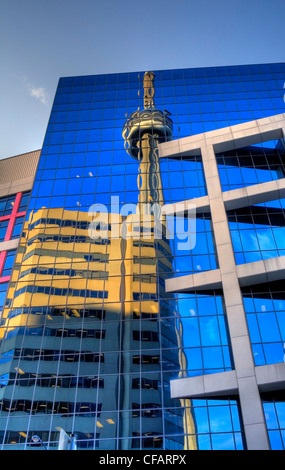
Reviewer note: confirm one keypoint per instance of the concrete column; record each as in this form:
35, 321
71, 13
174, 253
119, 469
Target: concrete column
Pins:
251, 406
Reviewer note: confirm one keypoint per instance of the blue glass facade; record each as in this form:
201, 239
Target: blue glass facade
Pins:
90, 339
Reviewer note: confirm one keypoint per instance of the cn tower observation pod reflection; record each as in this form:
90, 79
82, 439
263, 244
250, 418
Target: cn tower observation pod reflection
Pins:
84, 345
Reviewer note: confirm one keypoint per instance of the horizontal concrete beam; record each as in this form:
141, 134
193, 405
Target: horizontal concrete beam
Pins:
9, 245
272, 269
201, 204
200, 281
245, 138
256, 194
271, 377
176, 148
234, 199
212, 385
240, 135
257, 272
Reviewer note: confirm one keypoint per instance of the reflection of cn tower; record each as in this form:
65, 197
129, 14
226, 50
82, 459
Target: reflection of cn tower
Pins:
142, 132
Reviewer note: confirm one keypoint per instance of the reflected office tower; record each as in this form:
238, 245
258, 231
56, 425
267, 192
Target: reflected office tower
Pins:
90, 337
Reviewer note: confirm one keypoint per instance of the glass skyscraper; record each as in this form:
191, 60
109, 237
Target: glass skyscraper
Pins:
91, 337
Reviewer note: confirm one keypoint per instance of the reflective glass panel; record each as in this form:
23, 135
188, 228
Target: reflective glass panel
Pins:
258, 231
247, 166
264, 306
274, 410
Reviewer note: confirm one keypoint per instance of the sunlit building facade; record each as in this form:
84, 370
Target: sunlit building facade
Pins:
128, 323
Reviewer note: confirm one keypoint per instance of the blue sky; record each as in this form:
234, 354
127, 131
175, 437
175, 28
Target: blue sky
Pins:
42, 40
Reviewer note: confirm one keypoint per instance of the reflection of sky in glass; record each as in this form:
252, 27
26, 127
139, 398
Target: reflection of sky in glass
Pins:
206, 348
251, 165
258, 232
218, 425
275, 419
265, 310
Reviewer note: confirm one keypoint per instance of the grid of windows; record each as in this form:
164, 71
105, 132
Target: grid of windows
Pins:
258, 231
265, 310
116, 353
207, 348
6, 205
274, 410
218, 425
251, 165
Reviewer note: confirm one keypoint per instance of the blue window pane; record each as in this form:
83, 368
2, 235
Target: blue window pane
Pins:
220, 419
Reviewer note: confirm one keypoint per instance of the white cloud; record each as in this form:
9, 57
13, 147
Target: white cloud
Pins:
40, 94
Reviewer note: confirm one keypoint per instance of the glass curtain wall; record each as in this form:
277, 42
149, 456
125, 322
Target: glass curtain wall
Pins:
89, 338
